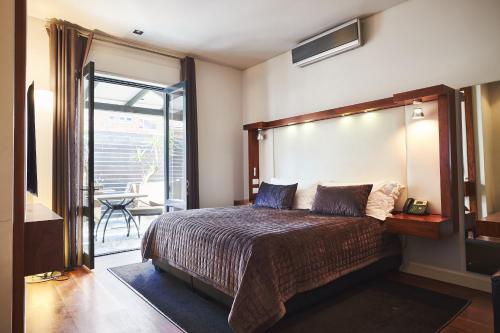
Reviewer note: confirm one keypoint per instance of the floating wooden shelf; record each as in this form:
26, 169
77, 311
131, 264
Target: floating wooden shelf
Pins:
426, 226
43, 240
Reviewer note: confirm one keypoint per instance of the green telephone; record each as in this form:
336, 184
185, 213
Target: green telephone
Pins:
416, 207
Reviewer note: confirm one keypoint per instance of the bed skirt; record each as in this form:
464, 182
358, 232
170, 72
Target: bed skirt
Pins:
299, 301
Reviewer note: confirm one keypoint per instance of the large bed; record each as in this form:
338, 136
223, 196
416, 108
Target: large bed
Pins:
260, 258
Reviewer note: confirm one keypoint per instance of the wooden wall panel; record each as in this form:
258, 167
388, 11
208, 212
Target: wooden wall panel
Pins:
19, 167
253, 161
380, 104
448, 151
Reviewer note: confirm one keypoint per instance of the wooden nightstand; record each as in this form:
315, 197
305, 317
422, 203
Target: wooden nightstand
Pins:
244, 202
426, 226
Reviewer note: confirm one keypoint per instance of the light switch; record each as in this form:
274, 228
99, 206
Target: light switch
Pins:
255, 181
255, 190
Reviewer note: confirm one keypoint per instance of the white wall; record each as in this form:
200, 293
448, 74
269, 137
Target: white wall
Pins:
219, 134
320, 151
37, 70
37, 62
413, 45
422, 154
6, 158
219, 111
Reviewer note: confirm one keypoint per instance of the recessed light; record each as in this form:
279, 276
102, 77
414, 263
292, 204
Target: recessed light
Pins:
138, 32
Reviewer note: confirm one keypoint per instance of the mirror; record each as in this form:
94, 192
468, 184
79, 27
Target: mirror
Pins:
480, 108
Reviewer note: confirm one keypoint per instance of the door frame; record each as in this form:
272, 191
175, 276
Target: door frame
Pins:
169, 90
96, 78
88, 258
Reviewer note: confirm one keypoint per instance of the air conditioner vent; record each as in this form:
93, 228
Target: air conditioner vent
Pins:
334, 41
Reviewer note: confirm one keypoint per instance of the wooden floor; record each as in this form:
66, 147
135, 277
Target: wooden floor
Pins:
97, 302
92, 302
477, 317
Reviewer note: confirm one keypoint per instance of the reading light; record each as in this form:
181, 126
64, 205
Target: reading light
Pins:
417, 113
260, 136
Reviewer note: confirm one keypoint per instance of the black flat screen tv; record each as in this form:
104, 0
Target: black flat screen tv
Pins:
31, 174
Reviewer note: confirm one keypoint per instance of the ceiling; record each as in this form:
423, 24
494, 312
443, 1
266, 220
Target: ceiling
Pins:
231, 32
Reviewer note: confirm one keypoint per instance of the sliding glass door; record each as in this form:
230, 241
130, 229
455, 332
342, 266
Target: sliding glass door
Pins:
87, 167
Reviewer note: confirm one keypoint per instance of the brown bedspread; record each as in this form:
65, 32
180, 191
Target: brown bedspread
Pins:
262, 257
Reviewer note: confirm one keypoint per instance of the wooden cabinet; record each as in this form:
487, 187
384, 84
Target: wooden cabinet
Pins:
426, 226
43, 240
483, 254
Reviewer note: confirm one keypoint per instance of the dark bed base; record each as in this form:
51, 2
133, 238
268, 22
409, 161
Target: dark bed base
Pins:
299, 301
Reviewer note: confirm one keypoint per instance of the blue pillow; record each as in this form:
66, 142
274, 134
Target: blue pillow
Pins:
275, 196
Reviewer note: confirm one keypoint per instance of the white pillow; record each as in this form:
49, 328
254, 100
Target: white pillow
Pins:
305, 194
382, 198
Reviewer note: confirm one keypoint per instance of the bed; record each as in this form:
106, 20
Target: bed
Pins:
260, 258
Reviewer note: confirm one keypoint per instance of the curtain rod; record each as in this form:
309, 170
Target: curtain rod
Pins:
107, 38
121, 42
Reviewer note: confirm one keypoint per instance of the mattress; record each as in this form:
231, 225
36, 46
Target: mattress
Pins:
262, 257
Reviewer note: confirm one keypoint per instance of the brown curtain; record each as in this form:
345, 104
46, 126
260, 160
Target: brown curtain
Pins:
188, 75
67, 52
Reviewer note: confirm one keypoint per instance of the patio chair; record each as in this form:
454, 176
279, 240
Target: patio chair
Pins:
153, 205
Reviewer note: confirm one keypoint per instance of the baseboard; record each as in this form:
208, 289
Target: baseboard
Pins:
465, 279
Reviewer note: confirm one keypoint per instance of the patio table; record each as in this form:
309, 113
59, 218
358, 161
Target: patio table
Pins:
118, 202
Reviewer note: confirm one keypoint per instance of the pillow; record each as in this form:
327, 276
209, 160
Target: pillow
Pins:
304, 196
275, 196
381, 201
382, 198
342, 200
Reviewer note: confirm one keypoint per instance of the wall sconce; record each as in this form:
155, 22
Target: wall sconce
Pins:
260, 136
417, 113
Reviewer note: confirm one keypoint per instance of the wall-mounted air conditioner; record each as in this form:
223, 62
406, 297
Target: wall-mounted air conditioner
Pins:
340, 39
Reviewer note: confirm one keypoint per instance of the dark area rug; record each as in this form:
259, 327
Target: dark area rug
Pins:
379, 306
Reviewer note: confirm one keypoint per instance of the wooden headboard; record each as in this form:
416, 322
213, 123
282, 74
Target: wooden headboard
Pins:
444, 96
